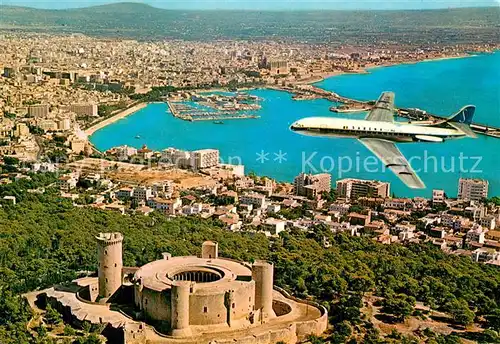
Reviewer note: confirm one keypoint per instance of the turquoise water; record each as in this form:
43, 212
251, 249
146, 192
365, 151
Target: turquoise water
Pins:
441, 87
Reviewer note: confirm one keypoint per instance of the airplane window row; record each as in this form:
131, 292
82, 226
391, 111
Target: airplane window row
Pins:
364, 128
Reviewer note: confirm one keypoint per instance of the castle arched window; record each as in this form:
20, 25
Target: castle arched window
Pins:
205, 309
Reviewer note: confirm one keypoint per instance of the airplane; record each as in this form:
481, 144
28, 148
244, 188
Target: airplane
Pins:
380, 133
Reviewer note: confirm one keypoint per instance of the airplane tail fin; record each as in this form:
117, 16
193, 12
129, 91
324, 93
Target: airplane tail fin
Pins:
465, 115
463, 119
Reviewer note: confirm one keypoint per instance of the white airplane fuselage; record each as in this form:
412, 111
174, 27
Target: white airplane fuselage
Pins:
396, 132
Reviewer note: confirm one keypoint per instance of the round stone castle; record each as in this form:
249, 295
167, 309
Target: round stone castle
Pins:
185, 300
198, 292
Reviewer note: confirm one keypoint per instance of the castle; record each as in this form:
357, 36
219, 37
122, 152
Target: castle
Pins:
187, 299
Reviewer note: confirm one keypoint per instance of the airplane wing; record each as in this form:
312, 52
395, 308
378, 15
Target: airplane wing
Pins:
392, 158
383, 111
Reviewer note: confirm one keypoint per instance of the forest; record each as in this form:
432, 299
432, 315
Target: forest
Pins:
45, 240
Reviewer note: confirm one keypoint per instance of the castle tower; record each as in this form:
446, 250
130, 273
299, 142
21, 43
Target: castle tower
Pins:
109, 253
180, 308
210, 250
262, 274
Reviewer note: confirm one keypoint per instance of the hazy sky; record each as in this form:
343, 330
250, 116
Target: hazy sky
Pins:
266, 4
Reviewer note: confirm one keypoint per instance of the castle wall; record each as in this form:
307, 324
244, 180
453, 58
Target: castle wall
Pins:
286, 335
155, 304
217, 305
207, 309
305, 328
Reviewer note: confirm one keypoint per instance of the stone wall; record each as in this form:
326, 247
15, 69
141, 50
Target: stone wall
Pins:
155, 304
286, 335
305, 328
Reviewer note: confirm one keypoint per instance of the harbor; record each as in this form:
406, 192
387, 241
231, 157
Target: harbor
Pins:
215, 107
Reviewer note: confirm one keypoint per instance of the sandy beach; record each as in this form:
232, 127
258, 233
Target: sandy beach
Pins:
115, 118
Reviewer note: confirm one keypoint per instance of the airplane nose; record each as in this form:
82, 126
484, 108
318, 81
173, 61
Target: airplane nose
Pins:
295, 126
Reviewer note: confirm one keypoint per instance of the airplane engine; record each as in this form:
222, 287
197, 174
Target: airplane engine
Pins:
426, 138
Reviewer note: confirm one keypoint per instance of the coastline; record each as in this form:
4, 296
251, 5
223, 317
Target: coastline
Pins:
114, 118
311, 81
367, 69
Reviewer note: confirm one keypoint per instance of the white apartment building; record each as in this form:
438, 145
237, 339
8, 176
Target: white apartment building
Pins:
482, 255
169, 206
341, 208
472, 189
273, 227
476, 235
273, 208
38, 110
124, 193
398, 203
438, 196
165, 188
255, 199
83, 109
488, 222
67, 183
194, 209
204, 158
354, 188
199, 159
142, 193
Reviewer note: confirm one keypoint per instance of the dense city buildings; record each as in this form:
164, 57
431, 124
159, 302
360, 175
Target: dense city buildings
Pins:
81, 84
472, 189
355, 188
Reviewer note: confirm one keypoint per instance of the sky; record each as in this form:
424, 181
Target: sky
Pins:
265, 4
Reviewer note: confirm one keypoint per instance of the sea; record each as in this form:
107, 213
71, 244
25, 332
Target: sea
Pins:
268, 147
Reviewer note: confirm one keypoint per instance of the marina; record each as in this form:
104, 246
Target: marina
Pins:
214, 106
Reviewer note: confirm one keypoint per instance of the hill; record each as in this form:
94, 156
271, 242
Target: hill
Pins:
45, 240
139, 21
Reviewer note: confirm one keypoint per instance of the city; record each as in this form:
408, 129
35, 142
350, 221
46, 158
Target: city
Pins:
140, 244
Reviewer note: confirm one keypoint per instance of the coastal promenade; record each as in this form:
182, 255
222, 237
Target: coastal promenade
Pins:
114, 118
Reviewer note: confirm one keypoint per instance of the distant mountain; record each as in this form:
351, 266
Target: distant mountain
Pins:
140, 21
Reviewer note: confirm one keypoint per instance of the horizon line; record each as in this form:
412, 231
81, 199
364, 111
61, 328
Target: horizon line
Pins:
3, 4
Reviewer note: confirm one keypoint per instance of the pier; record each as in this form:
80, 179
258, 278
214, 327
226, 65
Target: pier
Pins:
308, 92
